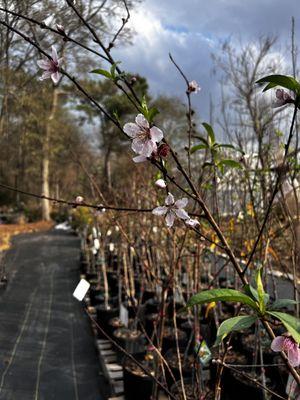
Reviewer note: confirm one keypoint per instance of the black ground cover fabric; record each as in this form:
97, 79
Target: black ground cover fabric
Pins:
47, 350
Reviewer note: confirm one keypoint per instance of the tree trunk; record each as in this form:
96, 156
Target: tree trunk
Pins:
46, 209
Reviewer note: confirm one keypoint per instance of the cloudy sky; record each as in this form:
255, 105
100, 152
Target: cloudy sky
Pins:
191, 30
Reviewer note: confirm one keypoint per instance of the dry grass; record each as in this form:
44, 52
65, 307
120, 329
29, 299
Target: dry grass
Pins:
7, 231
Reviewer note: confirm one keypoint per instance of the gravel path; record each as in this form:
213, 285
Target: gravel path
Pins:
46, 346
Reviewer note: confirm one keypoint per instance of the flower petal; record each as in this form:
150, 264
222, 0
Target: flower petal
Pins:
46, 75
156, 134
141, 121
131, 129
60, 61
170, 217
44, 64
294, 356
54, 54
161, 183
192, 222
181, 213
139, 159
161, 210
182, 203
277, 343
138, 146
149, 148
169, 200
55, 76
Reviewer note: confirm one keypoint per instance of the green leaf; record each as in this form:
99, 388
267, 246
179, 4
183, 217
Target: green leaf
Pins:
210, 132
102, 72
251, 291
152, 113
202, 139
230, 295
291, 323
198, 147
230, 146
229, 163
260, 291
281, 303
113, 69
234, 324
287, 82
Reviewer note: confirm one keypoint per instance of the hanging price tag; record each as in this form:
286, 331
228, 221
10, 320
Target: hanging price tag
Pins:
124, 315
203, 352
81, 289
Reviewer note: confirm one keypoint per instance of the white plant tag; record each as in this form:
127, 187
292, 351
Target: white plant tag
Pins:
96, 244
124, 315
111, 247
81, 289
94, 231
94, 250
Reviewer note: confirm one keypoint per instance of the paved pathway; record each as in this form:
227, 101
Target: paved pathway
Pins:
46, 345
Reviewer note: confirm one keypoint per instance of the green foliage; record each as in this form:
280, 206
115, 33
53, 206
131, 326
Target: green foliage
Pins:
291, 323
214, 148
112, 74
229, 295
287, 82
282, 303
149, 113
234, 324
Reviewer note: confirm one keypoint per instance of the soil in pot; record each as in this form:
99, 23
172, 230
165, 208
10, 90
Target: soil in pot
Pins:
250, 346
192, 391
187, 365
169, 341
232, 357
133, 341
137, 384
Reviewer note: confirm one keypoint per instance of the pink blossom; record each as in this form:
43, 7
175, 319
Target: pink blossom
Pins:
144, 138
51, 67
193, 87
289, 346
60, 28
192, 222
161, 183
282, 98
172, 209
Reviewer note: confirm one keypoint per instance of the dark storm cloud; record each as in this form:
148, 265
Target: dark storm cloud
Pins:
191, 30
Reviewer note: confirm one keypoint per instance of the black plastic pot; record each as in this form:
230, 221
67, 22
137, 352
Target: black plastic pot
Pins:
238, 387
187, 365
104, 315
129, 342
152, 306
137, 386
147, 295
169, 340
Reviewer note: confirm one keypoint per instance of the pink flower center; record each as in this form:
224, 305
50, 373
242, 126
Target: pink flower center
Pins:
144, 134
289, 344
54, 66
